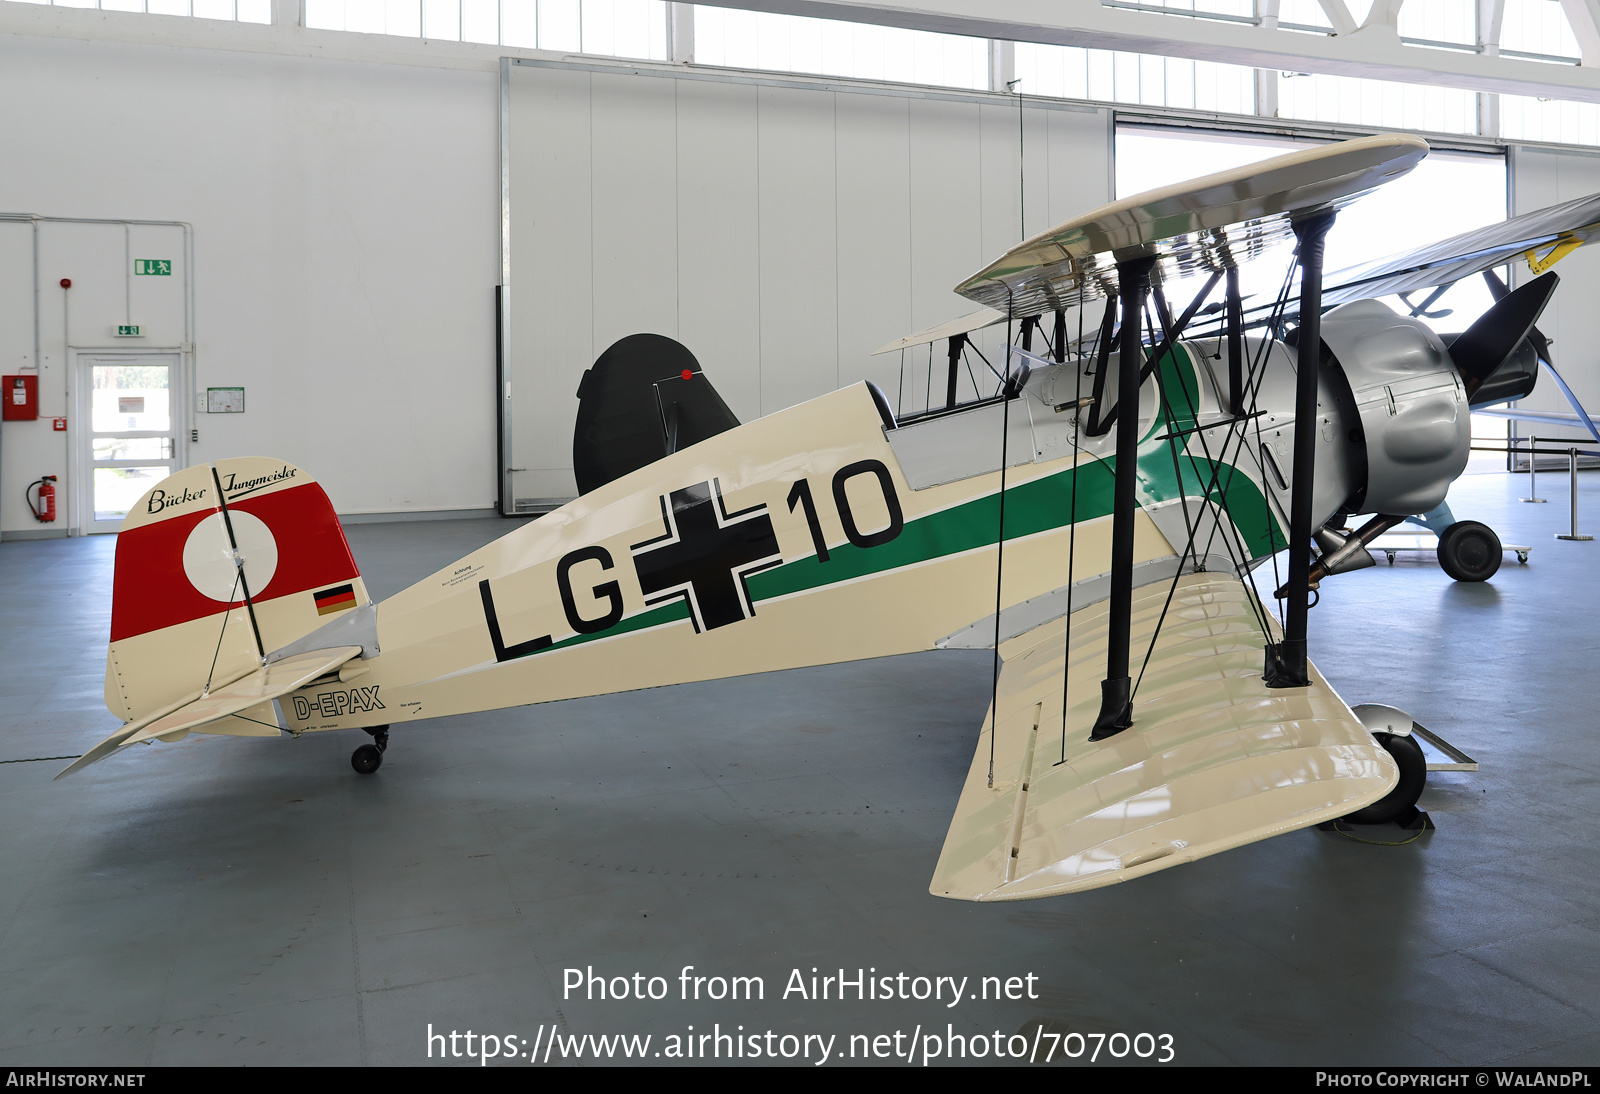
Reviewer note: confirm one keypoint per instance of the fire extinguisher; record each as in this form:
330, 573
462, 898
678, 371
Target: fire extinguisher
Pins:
46, 509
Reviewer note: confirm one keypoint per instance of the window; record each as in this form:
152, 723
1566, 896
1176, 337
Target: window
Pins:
1556, 121
1537, 27
1379, 103
611, 28
733, 38
1237, 9
1306, 15
242, 11
1072, 73
1449, 21
826, 47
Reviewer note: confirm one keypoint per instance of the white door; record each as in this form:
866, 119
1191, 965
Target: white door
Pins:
130, 444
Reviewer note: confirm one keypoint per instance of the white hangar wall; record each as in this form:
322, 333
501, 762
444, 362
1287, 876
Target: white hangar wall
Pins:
1540, 177
104, 293
345, 253
781, 227
345, 195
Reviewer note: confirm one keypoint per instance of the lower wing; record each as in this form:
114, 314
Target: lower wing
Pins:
1214, 758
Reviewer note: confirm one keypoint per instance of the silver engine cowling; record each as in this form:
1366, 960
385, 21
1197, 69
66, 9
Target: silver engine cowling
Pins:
1415, 425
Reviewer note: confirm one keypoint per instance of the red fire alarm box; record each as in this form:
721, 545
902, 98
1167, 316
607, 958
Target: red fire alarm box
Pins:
21, 398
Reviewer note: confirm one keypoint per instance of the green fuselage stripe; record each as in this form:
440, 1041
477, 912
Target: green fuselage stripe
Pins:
1042, 505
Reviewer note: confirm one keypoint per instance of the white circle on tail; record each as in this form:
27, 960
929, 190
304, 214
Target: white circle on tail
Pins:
208, 556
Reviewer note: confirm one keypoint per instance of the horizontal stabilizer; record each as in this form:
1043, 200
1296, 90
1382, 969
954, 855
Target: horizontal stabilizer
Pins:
1214, 758
259, 687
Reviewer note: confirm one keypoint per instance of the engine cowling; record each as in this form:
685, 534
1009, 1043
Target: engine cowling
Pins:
1415, 423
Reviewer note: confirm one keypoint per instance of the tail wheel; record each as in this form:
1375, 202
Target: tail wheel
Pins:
1469, 551
366, 759
1413, 774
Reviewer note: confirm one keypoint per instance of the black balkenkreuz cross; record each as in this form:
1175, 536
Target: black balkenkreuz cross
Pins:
706, 555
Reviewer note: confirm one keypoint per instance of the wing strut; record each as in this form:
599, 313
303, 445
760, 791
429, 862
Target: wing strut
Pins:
1170, 333
1116, 703
1235, 313
1286, 660
957, 341
1102, 361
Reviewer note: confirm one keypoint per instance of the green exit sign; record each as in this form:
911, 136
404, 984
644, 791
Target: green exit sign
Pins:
128, 330
157, 267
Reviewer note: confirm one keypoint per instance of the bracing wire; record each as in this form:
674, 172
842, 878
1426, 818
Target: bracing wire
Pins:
237, 571
1168, 346
1280, 306
1000, 546
1166, 349
900, 391
1005, 437
986, 360
1072, 517
1222, 489
243, 582
1168, 339
1252, 412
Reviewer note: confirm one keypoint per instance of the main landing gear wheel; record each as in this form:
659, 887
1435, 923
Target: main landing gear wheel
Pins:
368, 758
1469, 551
1413, 774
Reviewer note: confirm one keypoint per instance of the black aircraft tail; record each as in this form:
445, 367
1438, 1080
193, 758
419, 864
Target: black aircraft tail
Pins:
645, 398
1498, 356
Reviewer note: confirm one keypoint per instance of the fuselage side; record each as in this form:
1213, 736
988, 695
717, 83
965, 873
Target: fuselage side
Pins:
811, 536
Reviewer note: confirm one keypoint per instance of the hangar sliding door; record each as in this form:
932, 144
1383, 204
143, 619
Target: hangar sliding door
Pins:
781, 227
1540, 177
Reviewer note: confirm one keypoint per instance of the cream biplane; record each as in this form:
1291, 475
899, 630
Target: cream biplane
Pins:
1148, 710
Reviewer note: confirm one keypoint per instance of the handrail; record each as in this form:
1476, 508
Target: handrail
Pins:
1535, 451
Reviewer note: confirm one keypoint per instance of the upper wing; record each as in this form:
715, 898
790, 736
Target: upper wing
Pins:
1205, 223
1563, 227
260, 686
1214, 759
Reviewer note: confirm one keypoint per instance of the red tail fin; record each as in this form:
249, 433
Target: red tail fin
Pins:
179, 616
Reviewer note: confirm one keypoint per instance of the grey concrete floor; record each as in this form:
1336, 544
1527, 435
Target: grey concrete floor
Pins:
254, 901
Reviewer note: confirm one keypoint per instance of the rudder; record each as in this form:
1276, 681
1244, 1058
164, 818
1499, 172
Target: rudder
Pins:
178, 613
644, 398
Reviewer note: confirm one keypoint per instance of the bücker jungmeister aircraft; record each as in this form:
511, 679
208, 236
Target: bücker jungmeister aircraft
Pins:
1148, 710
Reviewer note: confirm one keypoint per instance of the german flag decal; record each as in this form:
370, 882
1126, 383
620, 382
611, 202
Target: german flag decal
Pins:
336, 599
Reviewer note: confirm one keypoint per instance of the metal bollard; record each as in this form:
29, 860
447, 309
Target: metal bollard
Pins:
1572, 464
1533, 482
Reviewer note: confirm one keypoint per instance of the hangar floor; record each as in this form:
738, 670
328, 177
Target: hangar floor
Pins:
255, 902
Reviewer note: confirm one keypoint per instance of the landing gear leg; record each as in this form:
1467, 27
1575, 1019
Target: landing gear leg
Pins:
368, 758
